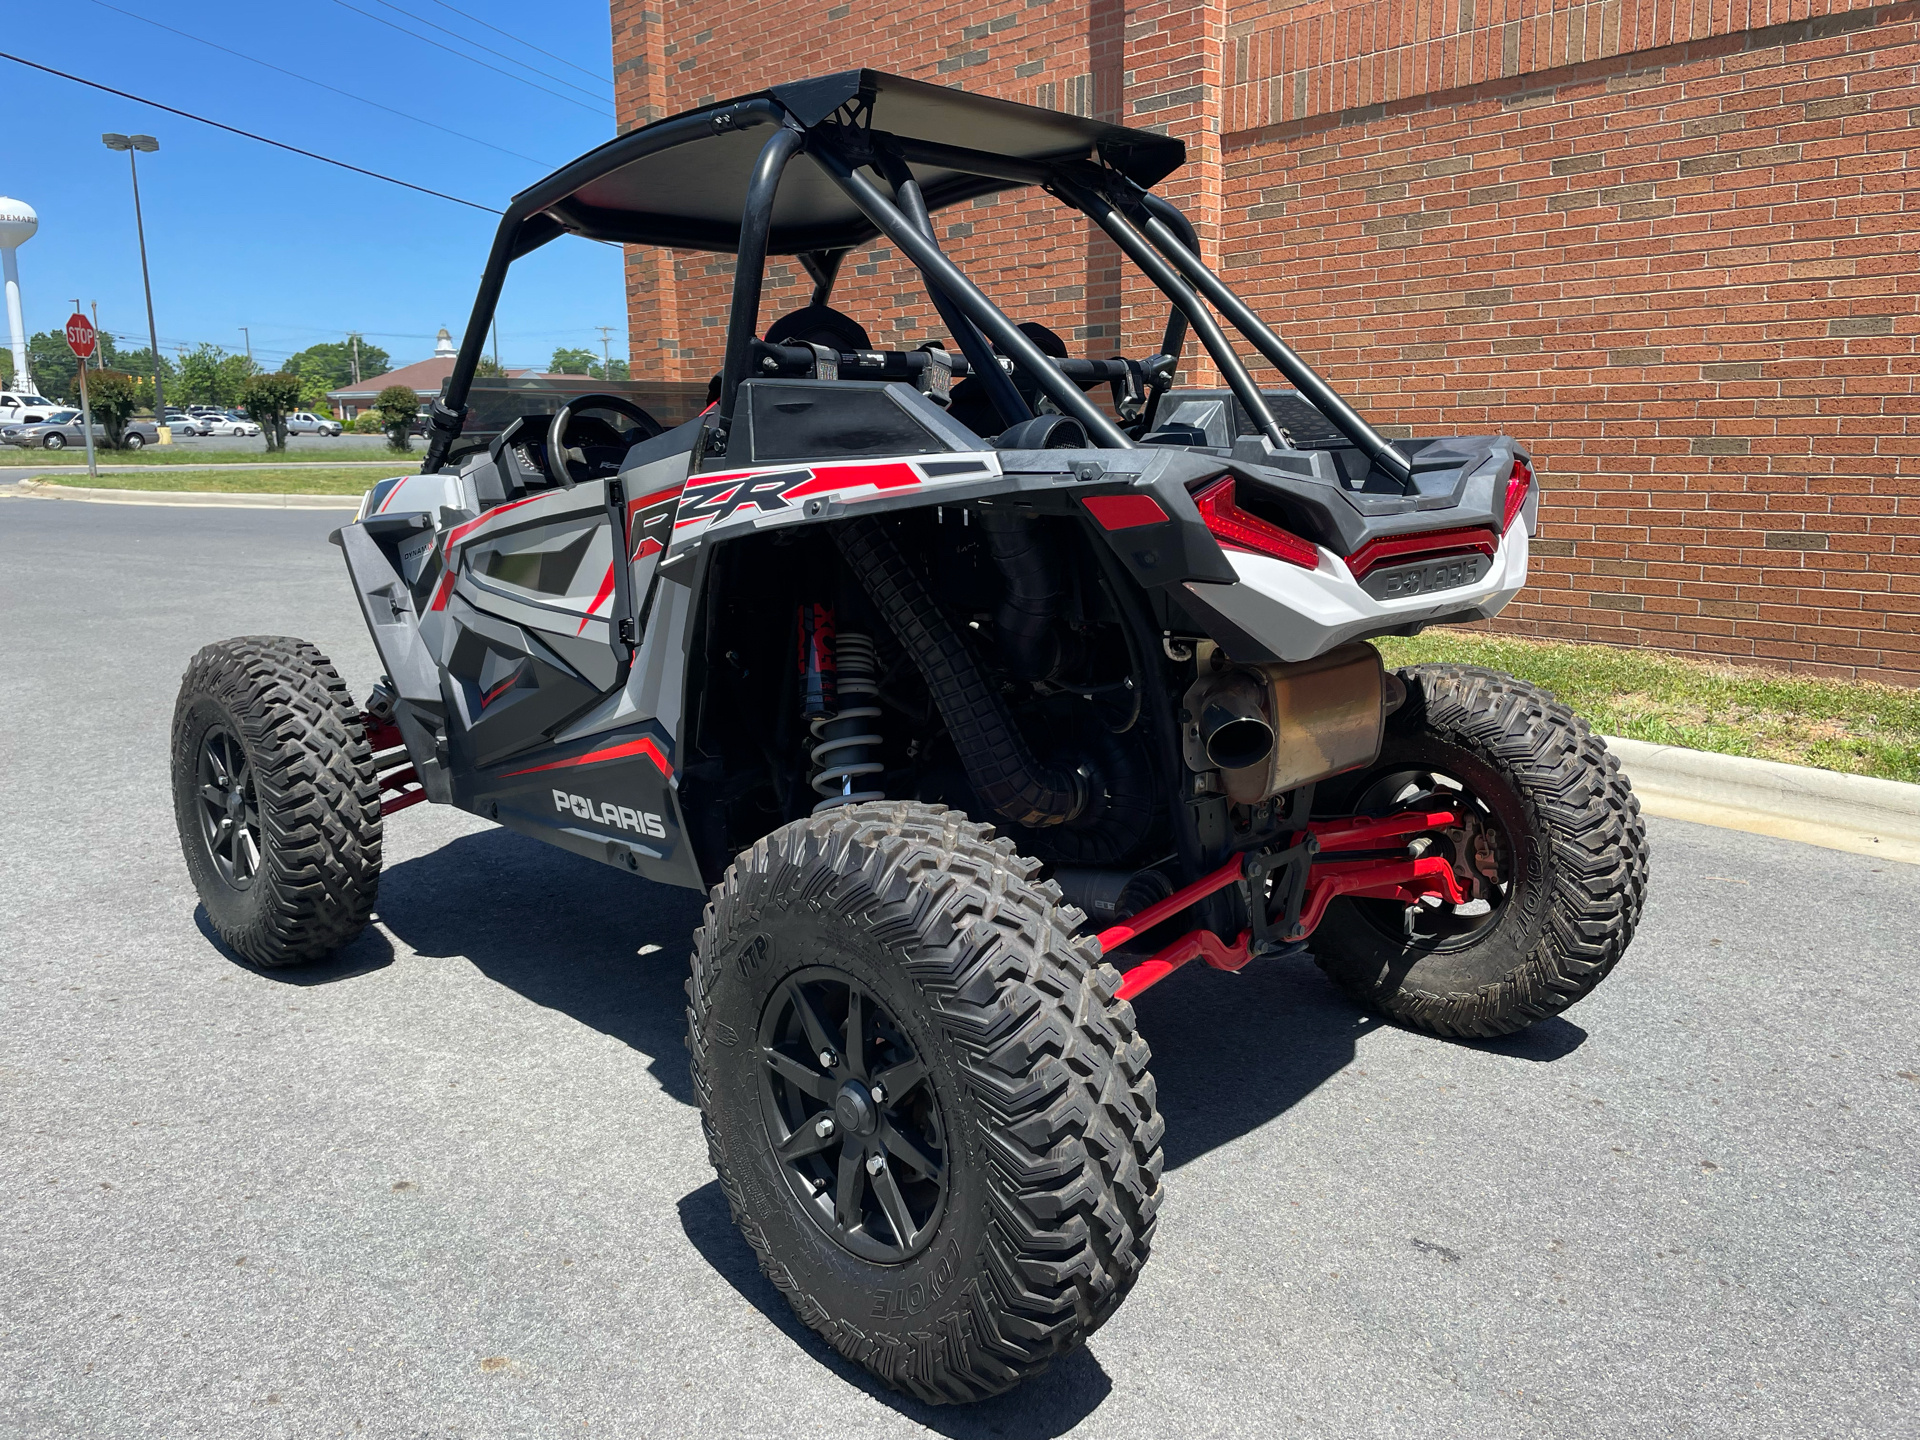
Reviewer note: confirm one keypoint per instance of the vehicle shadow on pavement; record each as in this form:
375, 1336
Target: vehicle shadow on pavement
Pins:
562, 931
372, 951
1052, 1404
1233, 1051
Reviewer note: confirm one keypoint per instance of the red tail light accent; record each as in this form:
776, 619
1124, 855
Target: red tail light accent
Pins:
1518, 483
1236, 529
1378, 551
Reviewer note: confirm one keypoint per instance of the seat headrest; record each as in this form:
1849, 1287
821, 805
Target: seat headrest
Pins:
819, 325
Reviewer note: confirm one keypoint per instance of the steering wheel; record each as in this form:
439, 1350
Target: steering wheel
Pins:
561, 457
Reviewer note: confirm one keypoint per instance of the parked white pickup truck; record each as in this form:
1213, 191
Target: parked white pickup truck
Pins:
21, 408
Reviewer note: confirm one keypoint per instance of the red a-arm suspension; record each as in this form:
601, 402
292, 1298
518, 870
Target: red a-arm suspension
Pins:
1400, 877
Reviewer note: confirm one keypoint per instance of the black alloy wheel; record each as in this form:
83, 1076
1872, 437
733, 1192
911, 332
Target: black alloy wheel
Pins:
856, 1127
229, 808
1478, 848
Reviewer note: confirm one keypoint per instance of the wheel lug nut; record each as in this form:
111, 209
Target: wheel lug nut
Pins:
825, 1127
828, 1059
875, 1164
879, 1093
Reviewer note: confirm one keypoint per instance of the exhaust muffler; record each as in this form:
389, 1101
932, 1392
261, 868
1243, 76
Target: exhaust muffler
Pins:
1272, 728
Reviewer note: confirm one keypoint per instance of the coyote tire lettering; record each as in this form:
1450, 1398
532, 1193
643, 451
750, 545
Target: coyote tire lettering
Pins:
1050, 1135
618, 817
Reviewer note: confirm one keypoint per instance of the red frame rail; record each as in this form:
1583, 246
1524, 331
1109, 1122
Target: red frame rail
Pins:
1395, 877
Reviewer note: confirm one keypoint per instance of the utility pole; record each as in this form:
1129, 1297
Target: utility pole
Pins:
353, 339
606, 354
145, 145
249, 339
496, 342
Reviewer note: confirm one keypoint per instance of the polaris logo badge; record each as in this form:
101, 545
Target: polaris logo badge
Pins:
641, 822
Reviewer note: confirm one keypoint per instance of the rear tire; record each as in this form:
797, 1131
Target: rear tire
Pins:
267, 739
1032, 1207
1574, 854
133, 441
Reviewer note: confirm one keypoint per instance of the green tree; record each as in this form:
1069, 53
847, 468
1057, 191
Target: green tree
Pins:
489, 369
114, 395
54, 366
617, 370
6, 368
332, 363
396, 406
574, 362
139, 364
268, 399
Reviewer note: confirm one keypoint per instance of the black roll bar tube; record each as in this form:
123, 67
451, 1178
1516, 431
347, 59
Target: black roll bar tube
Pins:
525, 214
1184, 300
999, 385
822, 266
743, 322
1375, 446
939, 270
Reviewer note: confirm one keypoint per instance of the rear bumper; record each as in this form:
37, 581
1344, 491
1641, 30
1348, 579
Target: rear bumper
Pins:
1282, 612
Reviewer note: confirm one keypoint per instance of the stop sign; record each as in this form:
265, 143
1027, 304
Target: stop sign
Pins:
81, 336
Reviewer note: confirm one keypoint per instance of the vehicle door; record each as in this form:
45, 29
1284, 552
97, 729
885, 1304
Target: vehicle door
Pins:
531, 598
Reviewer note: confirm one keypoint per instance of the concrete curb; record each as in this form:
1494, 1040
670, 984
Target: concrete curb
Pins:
1855, 813
42, 490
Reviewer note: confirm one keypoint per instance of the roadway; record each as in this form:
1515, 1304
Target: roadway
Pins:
452, 1182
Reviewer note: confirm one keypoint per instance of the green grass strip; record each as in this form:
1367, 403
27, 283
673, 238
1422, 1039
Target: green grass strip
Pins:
14, 457
1847, 725
309, 480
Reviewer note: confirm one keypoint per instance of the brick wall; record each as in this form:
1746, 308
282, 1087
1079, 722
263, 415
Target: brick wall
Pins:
1669, 246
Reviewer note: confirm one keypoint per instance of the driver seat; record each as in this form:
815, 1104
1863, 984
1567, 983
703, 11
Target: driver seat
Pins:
819, 325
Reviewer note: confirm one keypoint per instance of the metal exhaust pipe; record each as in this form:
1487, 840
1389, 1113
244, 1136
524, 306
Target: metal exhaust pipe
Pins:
1233, 724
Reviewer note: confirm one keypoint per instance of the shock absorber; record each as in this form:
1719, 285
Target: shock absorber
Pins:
846, 744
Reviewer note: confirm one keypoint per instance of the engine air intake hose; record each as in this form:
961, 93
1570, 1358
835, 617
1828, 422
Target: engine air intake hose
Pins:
1024, 618
999, 765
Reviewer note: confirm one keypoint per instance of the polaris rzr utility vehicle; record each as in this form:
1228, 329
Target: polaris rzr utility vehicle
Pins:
979, 685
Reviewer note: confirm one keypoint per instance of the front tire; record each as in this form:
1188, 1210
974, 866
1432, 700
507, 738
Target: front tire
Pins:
1553, 841
275, 799
994, 1204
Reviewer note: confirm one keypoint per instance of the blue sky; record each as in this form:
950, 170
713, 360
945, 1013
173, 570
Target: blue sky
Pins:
300, 252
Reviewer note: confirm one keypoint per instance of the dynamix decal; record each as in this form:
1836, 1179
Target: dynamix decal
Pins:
641, 822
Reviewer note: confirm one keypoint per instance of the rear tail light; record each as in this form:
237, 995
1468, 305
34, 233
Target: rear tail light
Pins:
1518, 483
1426, 544
1237, 530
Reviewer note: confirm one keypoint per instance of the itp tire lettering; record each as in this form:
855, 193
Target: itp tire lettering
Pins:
618, 817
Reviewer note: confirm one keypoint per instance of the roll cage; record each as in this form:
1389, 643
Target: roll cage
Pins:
709, 180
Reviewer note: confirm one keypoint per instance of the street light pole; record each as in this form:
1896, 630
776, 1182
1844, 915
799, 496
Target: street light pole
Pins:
249, 339
147, 145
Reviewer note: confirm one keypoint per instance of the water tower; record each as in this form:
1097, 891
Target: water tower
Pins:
17, 224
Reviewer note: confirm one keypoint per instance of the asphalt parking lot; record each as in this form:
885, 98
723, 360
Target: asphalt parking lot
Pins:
452, 1183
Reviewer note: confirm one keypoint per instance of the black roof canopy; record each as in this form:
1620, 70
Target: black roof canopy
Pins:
682, 181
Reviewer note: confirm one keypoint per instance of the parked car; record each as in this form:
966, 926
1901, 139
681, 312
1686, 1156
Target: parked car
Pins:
21, 408
227, 425
306, 423
62, 428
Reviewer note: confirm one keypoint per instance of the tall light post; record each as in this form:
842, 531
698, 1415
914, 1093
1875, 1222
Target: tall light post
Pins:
146, 145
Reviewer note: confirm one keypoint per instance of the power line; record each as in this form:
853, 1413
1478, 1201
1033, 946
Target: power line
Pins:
189, 35
247, 134
412, 35
592, 74
513, 59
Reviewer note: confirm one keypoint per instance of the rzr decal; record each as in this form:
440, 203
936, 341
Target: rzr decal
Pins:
710, 500
650, 522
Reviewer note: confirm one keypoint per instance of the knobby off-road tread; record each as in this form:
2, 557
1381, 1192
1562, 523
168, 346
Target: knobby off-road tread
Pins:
1594, 841
1056, 1080
318, 794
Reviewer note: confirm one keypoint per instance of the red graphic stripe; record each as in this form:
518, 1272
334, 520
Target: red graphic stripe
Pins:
506, 684
606, 589
634, 507
648, 546
442, 594
390, 494
645, 745
460, 532
893, 475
